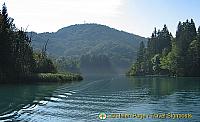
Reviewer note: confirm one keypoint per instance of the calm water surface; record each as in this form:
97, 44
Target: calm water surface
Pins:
83, 101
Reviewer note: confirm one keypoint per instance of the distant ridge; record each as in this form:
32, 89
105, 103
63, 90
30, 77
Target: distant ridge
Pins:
80, 39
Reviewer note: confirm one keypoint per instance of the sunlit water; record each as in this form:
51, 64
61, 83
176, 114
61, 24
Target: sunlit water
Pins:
83, 101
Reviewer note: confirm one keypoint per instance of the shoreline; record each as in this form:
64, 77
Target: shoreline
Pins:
46, 78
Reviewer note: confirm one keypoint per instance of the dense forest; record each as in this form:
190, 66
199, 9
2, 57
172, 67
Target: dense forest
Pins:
166, 55
64, 64
87, 64
96, 64
17, 59
15, 51
91, 39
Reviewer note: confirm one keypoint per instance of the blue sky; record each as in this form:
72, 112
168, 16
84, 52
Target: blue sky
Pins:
156, 13
134, 16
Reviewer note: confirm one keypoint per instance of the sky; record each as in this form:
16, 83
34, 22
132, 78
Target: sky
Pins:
134, 16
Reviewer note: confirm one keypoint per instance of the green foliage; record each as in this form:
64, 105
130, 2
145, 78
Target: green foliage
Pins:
194, 56
149, 58
139, 67
77, 40
16, 57
44, 64
168, 63
96, 64
141, 53
17, 60
53, 77
185, 34
159, 41
178, 57
156, 63
68, 65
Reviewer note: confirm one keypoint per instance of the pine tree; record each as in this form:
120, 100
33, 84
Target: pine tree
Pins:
6, 42
15, 51
194, 56
179, 56
141, 52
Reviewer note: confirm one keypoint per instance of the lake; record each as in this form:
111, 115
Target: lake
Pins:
111, 96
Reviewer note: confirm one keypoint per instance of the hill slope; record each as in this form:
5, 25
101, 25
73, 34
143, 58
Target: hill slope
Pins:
78, 40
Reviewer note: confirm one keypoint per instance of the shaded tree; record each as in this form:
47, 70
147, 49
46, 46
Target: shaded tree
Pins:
179, 56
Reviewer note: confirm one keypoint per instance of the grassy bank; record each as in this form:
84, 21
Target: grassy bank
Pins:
51, 77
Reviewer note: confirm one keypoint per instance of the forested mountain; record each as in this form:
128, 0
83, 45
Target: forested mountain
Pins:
166, 55
93, 39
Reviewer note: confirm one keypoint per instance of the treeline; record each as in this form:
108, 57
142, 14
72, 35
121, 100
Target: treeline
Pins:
68, 65
17, 58
96, 64
168, 55
88, 64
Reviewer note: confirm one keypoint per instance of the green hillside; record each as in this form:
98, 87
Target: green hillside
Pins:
95, 39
